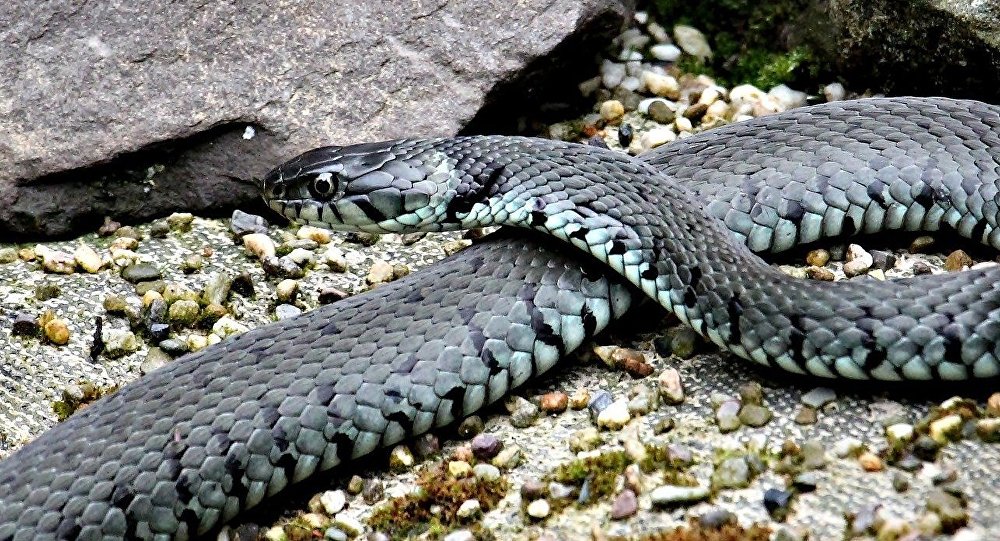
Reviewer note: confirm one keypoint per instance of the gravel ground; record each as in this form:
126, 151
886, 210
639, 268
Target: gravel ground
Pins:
850, 466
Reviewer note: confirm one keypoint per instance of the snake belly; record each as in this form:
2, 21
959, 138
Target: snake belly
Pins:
189, 446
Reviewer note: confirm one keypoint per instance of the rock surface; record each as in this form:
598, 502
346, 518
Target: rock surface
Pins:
931, 47
144, 108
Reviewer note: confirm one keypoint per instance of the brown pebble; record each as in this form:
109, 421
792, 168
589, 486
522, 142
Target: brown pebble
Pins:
624, 505
818, 258
993, 405
696, 111
630, 360
958, 260
921, 244
579, 398
806, 416
108, 227
554, 402
820, 273
870, 461
56, 331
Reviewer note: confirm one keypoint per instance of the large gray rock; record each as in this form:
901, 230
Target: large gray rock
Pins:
133, 109
922, 47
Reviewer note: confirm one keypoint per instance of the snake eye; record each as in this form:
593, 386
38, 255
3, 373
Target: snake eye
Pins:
323, 187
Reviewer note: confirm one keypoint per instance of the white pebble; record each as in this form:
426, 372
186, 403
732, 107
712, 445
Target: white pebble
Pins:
858, 261
87, 258
834, 92
667, 52
631, 83
612, 74
788, 98
120, 342
661, 85
656, 137
683, 124
692, 41
333, 501
469, 509
745, 94
615, 416
538, 509
227, 326
641, 17
630, 55
658, 32
259, 244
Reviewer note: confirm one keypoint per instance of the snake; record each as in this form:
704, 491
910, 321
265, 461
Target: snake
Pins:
586, 232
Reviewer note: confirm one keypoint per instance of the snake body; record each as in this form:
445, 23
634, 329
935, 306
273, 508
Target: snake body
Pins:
189, 446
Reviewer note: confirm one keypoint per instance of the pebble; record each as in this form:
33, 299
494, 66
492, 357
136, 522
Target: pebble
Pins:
141, 272
805, 481
282, 267
120, 342
401, 458
946, 428
777, 502
508, 458
155, 358
180, 221
667, 52
951, 510
615, 416
751, 393
47, 290
624, 505
25, 324
486, 446
227, 326
754, 415
899, 434
242, 224
957, 261
350, 525
656, 137
124, 244
631, 360
883, 260
818, 257
259, 245
380, 272
660, 111
87, 258
579, 399
921, 244
58, 262
486, 472
183, 313
921, 267
988, 430
470, 426
818, 397
469, 509
834, 92
695, 112
538, 509
56, 331
454, 246
8, 255
625, 134
315, 234
286, 311
523, 413
683, 342
820, 273
553, 402
670, 387
612, 110
301, 257
329, 295
670, 495
612, 73
683, 124
457, 535
733, 472
660, 84
806, 416
692, 42
598, 402
727, 416
333, 501
858, 262
788, 98
870, 462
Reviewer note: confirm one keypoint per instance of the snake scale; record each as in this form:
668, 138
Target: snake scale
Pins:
187, 447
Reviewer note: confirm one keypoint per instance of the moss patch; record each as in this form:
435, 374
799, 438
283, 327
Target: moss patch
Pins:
432, 511
72, 402
695, 531
751, 41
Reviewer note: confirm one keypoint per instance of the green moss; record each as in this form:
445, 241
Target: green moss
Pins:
409, 516
70, 403
750, 41
601, 472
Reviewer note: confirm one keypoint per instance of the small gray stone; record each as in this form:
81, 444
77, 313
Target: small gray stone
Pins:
624, 505
242, 223
141, 272
486, 472
818, 397
671, 495
470, 426
217, 288
728, 416
754, 415
174, 346
524, 413
286, 311
733, 472
598, 401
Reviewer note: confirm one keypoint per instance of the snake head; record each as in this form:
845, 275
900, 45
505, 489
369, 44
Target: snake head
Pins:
393, 186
